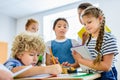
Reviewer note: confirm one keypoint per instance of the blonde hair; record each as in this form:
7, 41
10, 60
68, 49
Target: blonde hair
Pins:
29, 22
96, 12
27, 41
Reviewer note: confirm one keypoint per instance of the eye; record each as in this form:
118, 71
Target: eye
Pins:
84, 24
89, 22
59, 26
33, 28
31, 54
65, 27
38, 55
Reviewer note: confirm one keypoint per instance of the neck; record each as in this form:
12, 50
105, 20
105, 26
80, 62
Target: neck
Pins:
96, 33
60, 38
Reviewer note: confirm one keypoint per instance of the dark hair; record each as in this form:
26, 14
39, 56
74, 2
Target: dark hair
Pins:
84, 5
58, 19
96, 12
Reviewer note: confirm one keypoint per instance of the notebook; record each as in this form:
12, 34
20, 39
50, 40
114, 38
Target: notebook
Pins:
16, 73
40, 76
84, 52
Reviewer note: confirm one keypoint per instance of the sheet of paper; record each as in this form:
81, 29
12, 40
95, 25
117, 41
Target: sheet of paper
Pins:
84, 52
16, 73
21, 71
41, 76
2, 67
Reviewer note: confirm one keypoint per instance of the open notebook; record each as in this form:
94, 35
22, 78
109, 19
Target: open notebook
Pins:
84, 52
16, 73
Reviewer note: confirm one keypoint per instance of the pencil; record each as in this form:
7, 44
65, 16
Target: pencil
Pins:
53, 59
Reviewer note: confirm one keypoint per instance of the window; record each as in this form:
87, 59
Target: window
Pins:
73, 21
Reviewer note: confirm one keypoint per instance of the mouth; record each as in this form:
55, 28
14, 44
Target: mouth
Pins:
33, 64
88, 29
62, 32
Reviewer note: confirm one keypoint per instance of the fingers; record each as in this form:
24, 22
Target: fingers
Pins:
66, 64
55, 59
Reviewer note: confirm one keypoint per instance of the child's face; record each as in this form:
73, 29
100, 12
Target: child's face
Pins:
33, 27
92, 24
29, 58
61, 28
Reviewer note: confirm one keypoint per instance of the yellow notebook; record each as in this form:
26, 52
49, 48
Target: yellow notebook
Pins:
3, 52
84, 30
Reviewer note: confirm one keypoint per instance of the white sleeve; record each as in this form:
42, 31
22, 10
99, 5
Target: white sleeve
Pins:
48, 45
74, 42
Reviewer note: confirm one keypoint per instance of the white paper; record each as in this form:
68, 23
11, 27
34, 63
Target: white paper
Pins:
2, 67
21, 71
41, 76
84, 52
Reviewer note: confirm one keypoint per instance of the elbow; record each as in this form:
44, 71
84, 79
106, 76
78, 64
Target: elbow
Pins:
107, 68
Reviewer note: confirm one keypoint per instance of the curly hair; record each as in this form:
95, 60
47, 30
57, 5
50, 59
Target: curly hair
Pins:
27, 41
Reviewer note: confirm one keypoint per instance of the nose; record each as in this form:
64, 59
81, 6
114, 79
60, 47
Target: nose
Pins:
86, 26
35, 58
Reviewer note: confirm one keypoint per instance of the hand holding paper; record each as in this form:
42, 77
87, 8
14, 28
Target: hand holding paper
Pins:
84, 53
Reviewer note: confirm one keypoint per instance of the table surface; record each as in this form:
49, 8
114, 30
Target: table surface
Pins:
75, 76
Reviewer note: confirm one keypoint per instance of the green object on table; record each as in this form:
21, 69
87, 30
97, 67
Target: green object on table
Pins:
82, 75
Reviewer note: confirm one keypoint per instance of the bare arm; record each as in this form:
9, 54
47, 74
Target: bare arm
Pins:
35, 70
104, 65
4, 75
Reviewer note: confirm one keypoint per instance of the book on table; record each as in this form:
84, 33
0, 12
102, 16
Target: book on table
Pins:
16, 73
41, 76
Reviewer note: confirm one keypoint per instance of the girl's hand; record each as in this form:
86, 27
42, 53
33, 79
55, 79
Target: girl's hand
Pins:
66, 64
77, 56
75, 65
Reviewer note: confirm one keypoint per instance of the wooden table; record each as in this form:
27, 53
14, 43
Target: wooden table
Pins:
76, 76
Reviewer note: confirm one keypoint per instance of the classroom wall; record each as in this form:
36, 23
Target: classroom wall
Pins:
22, 21
7, 30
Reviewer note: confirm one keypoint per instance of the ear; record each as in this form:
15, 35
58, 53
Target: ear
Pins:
101, 19
19, 56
